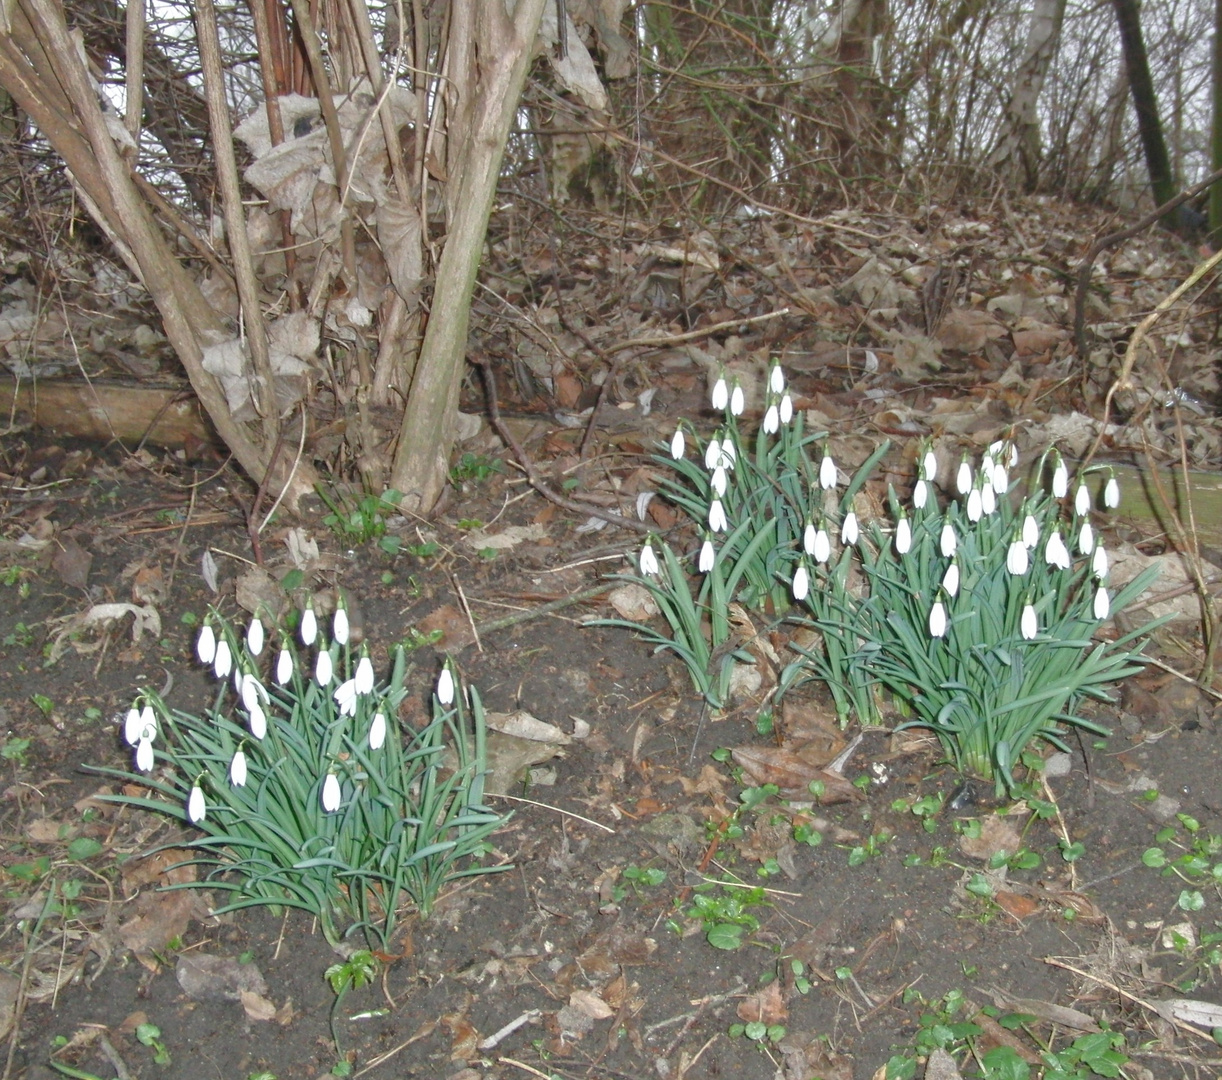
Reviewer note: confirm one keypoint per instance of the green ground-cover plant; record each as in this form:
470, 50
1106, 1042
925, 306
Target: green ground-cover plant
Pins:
358, 519
305, 788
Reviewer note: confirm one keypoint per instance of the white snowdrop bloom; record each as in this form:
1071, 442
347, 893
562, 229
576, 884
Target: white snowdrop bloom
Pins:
721, 393
1055, 552
1086, 539
239, 677
1111, 493
920, 494
1028, 624
987, 465
772, 420
988, 499
707, 556
325, 668
648, 560
776, 379
718, 481
148, 723
950, 580
823, 546
827, 473
345, 697
133, 726
364, 675
250, 691
309, 626
222, 663
1017, 559
937, 620
975, 506
445, 686
929, 465
903, 536
144, 755
738, 400
712, 454
1001, 479
729, 453
808, 538
284, 667
1060, 479
678, 445
330, 793
1005, 453
1031, 531
1103, 604
1081, 501
195, 805
258, 723
205, 644
786, 408
1098, 562
848, 529
237, 769
801, 582
717, 517
377, 731
963, 478
948, 541
254, 636
340, 625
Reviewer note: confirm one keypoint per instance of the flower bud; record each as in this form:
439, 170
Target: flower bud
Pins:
222, 663
1028, 624
205, 645
237, 769
721, 393
195, 805
325, 668
330, 793
1102, 605
707, 556
377, 731
937, 620
309, 626
445, 686
1111, 493
903, 535
738, 400
678, 445
284, 667
801, 582
254, 636
948, 541
340, 625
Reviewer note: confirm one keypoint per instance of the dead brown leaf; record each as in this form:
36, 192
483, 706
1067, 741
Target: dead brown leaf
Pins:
996, 835
589, 1003
765, 1007
256, 1006
793, 772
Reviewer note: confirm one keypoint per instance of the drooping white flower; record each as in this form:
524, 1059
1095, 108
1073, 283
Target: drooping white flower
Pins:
222, 663
929, 465
729, 453
445, 686
827, 473
309, 626
1055, 552
712, 454
340, 625
823, 546
205, 645
1086, 539
377, 731
345, 697
948, 541
1081, 501
678, 445
920, 494
1001, 479
937, 620
717, 517
1017, 559
987, 465
648, 560
738, 400
258, 722
950, 580
1028, 624
1098, 562
721, 393
1111, 493
148, 723
133, 727
1060, 479
239, 677
772, 420
718, 481
848, 529
284, 667
808, 538
237, 769
254, 636
963, 478
988, 499
195, 805
1031, 531
801, 582
1102, 605
707, 556
786, 408
330, 793
325, 668
364, 675
250, 691
144, 755
903, 535
776, 379
1005, 453
975, 506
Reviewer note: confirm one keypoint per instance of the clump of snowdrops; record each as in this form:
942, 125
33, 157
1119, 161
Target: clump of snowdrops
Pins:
306, 790
978, 619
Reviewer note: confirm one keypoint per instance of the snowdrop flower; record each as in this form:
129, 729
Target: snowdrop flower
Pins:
776, 379
254, 636
1102, 604
1111, 493
848, 529
1098, 562
345, 698
963, 478
1060, 479
929, 465
149, 721
325, 668
364, 676
1017, 560
1004, 453
937, 620
987, 465
823, 546
649, 561
975, 506
309, 626
237, 769
1001, 480
712, 453
250, 691
718, 481
445, 686
678, 445
258, 722
239, 677
284, 667
772, 420
144, 755
1028, 624
1086, 539
801, 582
707, 556
948, 541
988, 499
808, 538
330, 793
1031, 531
195, 805
920, 494
729, 454
340, 626
827, 473
903, 535
721, 393
950, 580
717, 517
377, 731
738, 400
205, 645
133, 726
1055, 552
222, 663
1081, 501
786, 408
